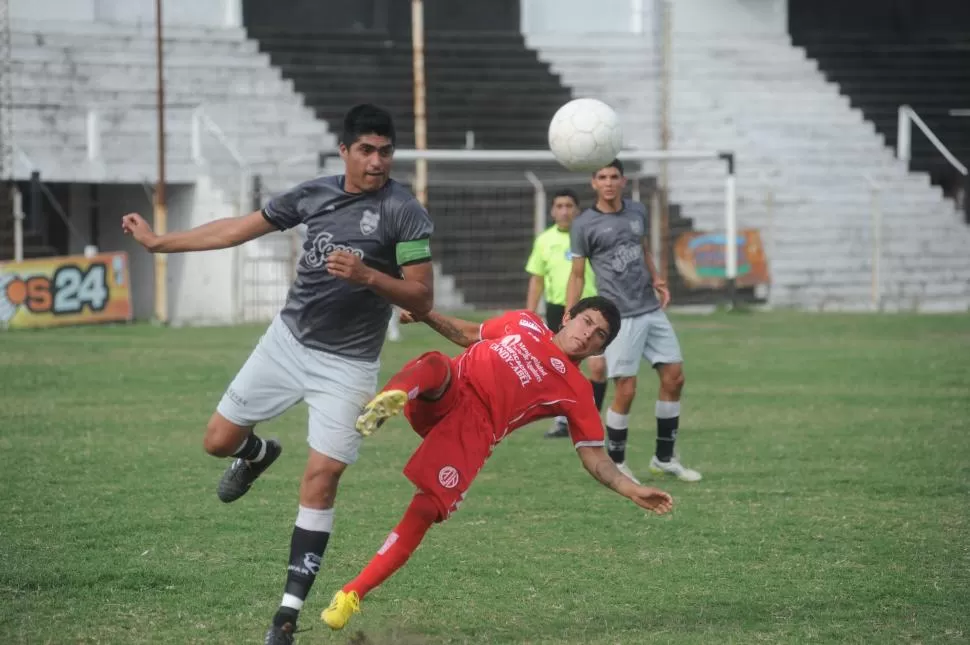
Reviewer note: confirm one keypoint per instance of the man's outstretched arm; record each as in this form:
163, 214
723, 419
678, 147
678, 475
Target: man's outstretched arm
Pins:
219, 234
461, 332
601, 467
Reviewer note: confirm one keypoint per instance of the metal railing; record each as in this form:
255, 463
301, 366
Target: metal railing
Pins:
904, 138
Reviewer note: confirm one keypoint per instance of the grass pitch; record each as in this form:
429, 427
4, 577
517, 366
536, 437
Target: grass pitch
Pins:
834, 506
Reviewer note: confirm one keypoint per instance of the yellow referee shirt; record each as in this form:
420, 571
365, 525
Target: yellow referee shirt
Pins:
552, 261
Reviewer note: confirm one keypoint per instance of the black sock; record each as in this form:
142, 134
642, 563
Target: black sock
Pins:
599, 393
668, 419
309, 541
251, 449
285, 615
616, 444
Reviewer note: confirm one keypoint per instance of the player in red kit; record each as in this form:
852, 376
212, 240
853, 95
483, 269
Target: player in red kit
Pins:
514, 372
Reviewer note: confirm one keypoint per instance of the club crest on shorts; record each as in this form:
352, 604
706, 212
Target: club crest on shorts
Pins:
558, 365
369, 221
448, 477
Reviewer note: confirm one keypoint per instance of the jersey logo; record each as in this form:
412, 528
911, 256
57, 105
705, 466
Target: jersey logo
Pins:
528, 324
369, 221
311, 562
322, 246
448, 477
558, 365
637, 227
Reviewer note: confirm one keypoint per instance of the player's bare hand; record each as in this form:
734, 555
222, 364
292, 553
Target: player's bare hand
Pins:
652, 499
663, 292
348, 266
406, 317
135, 225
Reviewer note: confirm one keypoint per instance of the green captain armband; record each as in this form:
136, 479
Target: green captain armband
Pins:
413, 251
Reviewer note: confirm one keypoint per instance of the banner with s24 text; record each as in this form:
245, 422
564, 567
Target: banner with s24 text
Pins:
71, 290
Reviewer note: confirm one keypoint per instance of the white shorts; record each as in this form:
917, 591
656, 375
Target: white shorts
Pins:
647, 337
281, 372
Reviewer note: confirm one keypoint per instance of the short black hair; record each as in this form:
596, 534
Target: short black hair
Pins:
566, 192
367, 119
616, 163
608, 310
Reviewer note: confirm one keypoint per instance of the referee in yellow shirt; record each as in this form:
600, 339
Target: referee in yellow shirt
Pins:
549, 266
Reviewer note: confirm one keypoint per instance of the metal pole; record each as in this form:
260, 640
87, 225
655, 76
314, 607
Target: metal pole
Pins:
730, 230
18, 223
161, 212
420, 116
539, 203
665, 62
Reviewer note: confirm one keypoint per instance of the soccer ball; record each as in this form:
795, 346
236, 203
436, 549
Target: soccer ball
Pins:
585, 134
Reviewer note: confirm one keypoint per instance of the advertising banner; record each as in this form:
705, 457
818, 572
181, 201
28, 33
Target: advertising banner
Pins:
53, 291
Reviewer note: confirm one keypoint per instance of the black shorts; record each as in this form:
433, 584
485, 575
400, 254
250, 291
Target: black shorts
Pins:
554, 314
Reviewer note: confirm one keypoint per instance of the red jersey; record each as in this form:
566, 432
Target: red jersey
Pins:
522, 376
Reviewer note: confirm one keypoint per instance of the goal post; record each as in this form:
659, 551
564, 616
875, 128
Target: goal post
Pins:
537, 171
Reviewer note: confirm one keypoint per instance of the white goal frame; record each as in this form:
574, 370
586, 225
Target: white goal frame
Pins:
526, 156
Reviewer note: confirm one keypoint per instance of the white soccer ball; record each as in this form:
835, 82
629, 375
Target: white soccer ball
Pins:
585, 134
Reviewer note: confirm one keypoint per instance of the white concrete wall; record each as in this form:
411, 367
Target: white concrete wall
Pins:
210, 13
728, 17
202, 287
638, 16
582, 16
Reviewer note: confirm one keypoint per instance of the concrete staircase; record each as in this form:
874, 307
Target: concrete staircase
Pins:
64, 71
807, 163
68, 75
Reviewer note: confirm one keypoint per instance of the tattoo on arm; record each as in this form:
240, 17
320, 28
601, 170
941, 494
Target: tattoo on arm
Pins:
606, 473
448, 329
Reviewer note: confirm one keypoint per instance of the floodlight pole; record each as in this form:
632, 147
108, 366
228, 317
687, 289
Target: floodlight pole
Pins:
160, 210
420, 115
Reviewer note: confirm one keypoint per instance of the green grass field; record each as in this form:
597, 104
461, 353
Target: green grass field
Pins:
834, 508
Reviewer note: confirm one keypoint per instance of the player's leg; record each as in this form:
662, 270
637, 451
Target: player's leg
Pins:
267, 385
622, 365
402, 542
554, 316
597, 378
336, 391
662, 350
442, 468
425, 378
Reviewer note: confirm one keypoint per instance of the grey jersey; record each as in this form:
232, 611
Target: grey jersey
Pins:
613, 243
329, 313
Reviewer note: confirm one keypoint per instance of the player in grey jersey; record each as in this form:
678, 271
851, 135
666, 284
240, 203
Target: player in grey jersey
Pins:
367, 246
613, 236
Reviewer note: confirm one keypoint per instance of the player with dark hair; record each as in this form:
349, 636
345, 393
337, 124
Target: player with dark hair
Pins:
515, 371
549, 266
612, 235
367, 246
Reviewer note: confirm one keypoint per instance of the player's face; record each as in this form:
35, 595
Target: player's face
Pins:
564, 211
368, 162
608, 183
583, 335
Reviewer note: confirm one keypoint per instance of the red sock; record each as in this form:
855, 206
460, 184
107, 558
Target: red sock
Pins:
427, 373
398, 547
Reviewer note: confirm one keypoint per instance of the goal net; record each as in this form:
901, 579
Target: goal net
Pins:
487, 208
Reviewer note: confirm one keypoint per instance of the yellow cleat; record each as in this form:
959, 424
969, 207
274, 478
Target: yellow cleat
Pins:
342, 607
381, 408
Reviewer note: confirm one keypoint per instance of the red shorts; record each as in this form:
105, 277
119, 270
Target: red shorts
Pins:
457, 443
423, 415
